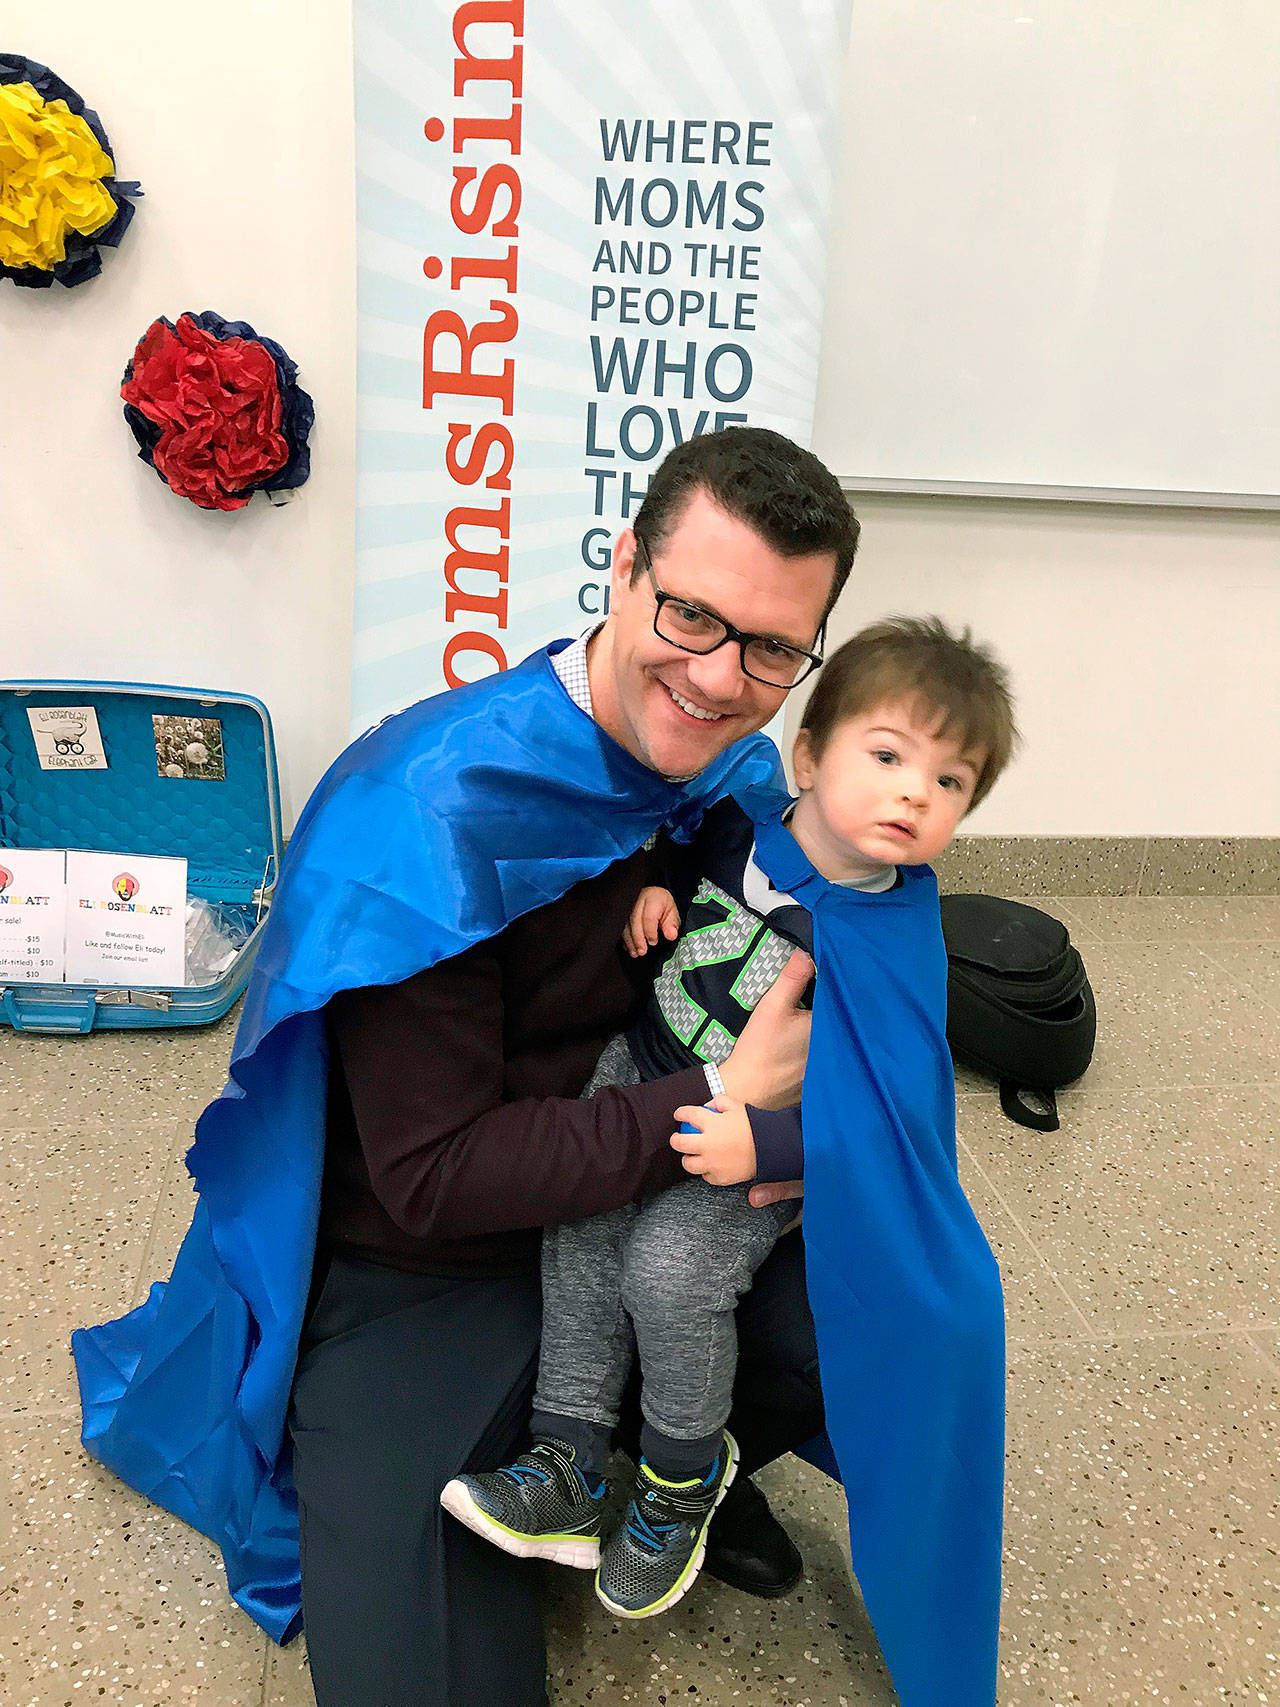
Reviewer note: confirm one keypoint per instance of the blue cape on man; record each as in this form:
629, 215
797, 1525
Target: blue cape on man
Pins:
430, 834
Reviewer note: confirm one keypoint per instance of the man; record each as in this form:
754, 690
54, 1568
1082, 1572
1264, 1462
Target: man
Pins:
453, 1125
450, 1080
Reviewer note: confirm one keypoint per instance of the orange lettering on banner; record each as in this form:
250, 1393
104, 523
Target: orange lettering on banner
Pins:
468, 472
484, 203
467, 68
491, 562
496, 179
463, 381
484, 644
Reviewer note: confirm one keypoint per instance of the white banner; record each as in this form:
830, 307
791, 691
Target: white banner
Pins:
586, 233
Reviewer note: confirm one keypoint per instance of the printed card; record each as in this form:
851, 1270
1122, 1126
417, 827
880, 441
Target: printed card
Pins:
126, 919
33, 915
67, 738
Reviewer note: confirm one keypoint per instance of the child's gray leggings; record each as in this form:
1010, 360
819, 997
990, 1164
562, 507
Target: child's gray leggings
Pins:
661, 1278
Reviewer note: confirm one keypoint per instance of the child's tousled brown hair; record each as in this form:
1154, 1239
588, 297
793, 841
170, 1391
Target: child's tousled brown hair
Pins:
957, 680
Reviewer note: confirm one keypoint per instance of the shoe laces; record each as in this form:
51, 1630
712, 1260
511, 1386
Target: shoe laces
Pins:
524, 1469
522, 1473
651, 1536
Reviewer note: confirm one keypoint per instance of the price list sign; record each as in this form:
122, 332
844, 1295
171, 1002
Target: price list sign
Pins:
33, 915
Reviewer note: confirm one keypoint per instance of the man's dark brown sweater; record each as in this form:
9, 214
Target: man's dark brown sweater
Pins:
455, 1133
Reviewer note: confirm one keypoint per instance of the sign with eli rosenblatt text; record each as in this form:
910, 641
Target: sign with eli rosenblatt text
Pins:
126, 919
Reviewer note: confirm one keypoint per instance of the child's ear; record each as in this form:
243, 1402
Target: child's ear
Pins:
802, 761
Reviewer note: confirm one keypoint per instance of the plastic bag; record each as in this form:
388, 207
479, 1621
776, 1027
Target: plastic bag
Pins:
216, 932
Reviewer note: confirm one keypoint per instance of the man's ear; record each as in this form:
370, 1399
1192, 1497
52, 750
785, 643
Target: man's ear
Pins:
802, 760
624, 556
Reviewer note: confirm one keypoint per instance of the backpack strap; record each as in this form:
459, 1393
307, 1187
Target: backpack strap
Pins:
1023, 1105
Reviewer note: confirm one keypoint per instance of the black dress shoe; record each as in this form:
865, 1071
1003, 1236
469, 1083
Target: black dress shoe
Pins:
748, 1548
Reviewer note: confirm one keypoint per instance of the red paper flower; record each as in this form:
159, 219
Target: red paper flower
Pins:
216, 403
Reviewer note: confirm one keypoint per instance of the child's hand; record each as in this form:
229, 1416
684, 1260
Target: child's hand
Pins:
721, 1148
654, 913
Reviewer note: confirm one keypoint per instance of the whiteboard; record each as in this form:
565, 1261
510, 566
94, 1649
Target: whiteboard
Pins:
1055, 256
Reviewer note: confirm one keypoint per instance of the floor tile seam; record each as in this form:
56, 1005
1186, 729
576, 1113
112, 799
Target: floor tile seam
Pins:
1269, 1357
1027, 1239
1112, 1328
1143, 861
15, 1128
1075, 1092
1120, 946
140, 1279
266, 1671
1243, 984
1140, 1336
1166, 939
39, 1413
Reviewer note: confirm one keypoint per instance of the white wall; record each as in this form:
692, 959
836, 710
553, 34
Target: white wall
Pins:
1142, 645
238, 124
1142, 642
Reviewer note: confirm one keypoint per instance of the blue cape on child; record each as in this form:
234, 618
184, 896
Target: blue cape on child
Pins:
904, 1290
432, 833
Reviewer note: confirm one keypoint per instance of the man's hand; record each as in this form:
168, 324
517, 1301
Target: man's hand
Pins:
778, 1191
654, 914
721, 1148
766, 1066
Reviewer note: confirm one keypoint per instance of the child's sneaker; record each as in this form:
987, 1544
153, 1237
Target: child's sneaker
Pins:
655, 1556
540, 1507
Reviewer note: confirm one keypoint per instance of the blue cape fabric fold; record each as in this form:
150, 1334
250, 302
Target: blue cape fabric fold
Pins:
905, 1292
429, 834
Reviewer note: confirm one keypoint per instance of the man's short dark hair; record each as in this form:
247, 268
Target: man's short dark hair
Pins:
760, 477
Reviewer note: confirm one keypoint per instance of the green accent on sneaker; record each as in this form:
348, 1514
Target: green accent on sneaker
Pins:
652, 1561
653, 1476
539, 1507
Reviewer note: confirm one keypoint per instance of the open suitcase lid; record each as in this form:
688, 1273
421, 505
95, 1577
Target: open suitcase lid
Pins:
227, 828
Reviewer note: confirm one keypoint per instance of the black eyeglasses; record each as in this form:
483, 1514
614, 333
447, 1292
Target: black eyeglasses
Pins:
693, 629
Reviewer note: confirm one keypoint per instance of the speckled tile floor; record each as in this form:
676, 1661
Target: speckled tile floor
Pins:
1139, 1249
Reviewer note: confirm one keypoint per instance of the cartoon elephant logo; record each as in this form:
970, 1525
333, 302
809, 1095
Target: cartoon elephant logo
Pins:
125, 886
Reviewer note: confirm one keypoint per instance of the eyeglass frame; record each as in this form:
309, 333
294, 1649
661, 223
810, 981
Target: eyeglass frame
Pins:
742, 640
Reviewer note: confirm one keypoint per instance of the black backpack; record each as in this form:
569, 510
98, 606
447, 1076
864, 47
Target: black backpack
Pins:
1019, 1006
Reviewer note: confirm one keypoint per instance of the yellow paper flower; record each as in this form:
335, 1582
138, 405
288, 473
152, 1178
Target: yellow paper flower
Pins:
51, 167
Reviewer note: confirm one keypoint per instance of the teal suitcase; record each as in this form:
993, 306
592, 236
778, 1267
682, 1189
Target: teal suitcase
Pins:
227, 826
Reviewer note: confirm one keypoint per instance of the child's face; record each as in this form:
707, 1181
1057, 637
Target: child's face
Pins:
887, 790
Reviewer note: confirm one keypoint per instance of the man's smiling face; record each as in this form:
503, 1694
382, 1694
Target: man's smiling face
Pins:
676, 711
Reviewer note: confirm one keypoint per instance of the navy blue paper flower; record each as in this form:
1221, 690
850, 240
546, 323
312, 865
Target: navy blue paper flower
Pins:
62, 201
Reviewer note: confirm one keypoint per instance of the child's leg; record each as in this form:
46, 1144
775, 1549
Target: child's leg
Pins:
587, 1343
693, 1251
546, 1504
